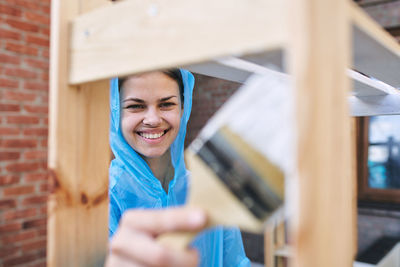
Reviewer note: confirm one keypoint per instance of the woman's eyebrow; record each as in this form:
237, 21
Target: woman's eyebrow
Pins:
133, 99
167, 98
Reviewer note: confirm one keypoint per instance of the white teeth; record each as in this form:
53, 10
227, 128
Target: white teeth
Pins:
151, 136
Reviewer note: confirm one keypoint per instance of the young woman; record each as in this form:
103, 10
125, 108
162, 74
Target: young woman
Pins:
149, 115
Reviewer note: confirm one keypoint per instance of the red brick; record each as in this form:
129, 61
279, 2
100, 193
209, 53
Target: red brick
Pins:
35, 155
45, 76
44, 187
42, 232
24, 26
43, 164
18, 214
22, 49
43, 143
20, 73
32, 5
11, 227
42, 64
45, 31
40, 86
41, 263
9, 59
18, 96
21, 167
8, 83
42, 253
46, 9
45, 98
18, 143
20, 260
8, 131
21, 119
9, 10
45, 53
36, 109
43, 210
8, 251
19, 190
34, 177
35, 200
4, 155
38, 41
9, 107
7, 204
35, 245
8, 179
36, 131
34, 223
41, 19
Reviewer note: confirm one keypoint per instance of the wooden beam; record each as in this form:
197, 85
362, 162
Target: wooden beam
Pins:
78, 154
318, 57
147, 35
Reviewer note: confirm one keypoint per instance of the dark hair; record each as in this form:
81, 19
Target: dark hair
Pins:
174, 74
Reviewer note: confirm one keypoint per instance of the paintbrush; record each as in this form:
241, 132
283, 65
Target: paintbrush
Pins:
240, 159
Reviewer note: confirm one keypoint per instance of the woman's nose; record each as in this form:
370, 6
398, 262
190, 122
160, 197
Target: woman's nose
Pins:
152, 117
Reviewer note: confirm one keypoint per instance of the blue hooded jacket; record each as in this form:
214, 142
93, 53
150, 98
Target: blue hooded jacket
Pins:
133, 185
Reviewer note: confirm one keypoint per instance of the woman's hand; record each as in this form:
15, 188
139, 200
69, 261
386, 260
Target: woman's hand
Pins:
134, 243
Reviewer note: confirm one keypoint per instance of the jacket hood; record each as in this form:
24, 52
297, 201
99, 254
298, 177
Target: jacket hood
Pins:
128, 159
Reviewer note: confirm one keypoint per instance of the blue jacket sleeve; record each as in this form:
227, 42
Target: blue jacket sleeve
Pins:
234, 254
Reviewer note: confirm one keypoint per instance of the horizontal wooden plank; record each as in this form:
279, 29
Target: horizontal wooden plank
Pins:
147, 35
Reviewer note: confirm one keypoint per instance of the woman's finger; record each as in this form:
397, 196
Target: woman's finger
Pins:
140, 248
155, 222
115, 260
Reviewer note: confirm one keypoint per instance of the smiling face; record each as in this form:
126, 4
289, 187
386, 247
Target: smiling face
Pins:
150, 113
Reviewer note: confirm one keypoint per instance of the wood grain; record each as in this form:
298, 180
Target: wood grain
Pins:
78, 155
147, 35
319, 54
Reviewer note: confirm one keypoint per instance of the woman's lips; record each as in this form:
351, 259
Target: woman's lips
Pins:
153, 135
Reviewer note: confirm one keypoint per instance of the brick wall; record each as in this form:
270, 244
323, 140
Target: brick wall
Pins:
24, 63
208, 95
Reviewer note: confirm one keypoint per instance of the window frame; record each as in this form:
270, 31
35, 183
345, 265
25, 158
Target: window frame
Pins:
365, 193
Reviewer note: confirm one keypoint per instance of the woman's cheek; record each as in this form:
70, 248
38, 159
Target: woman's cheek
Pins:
128, 124
174, 119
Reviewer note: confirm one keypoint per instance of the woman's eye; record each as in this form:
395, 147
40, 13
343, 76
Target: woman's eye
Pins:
135, 106
167, 104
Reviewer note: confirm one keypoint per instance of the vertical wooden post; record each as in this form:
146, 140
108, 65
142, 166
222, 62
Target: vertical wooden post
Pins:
318, 56
354, 176
78, 154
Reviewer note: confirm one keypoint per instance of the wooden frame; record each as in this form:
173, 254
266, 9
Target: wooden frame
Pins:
365, 193
90, 46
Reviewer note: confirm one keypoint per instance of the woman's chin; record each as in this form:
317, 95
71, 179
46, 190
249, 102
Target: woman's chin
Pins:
153, 154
